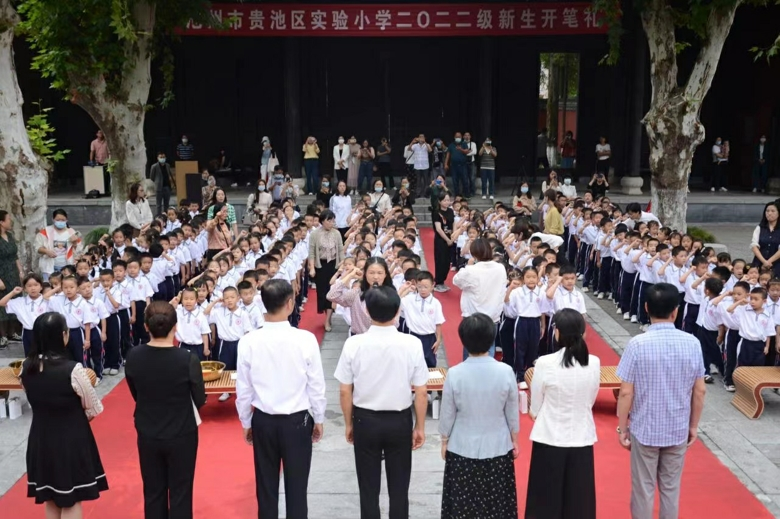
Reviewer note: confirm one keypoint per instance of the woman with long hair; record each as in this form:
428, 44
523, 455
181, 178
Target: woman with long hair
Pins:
765, 243
11, 274
326, 251
167, 428
326, 191
219, 234
443, 223
139, 214
344, 293
561, 481
341, 205
258, 202
63, 462
220, 197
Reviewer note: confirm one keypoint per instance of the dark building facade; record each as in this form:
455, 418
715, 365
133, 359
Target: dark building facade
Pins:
231, 91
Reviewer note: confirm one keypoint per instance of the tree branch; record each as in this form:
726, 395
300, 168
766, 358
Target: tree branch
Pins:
718, 27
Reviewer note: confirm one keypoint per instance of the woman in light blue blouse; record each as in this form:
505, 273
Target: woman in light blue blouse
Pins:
479, 423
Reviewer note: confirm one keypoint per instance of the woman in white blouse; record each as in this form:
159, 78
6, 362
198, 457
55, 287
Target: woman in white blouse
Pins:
561, 481
380, 200
341, 205
341, 156
139, 215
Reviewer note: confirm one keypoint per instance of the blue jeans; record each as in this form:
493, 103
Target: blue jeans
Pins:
460, 179
366, 171
472, 174
488, 176
567, 162
312, 167
492, 350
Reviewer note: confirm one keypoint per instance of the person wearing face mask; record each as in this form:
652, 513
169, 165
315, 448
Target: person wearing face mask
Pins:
380, 200
325, 193
471, 165
457, 161
366, 171
185, 150
760, 165
422, 166
439, 152
569, 190
311, 164
568, 151
719, 164
487, 166
258, 203
354, 164
403, 196
164, 183
524, 203
341, 160
268, 159
57, 244
384, 168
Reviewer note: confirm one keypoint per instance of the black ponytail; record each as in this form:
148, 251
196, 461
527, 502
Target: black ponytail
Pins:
571, 328
48, 342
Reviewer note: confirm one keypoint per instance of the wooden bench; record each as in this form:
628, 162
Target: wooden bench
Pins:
10, 382
609, 379
750, 381
226, 383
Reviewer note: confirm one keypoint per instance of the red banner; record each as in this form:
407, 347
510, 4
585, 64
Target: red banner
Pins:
401, 20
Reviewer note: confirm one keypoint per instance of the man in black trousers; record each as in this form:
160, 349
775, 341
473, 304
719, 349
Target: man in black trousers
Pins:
377, 370
280, 397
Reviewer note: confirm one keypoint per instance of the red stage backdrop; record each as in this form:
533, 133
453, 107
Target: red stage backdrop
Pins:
401, 20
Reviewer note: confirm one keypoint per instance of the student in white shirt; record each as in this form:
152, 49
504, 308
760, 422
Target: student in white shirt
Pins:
693, 294
230, 323
670, 272
26, 308
709, 322
376, 370
562, 294
564, 388
280, 398
70, 304
247, 293
193, 330
423, 315
525, 305
114, 298
96, 313
756, 326
141, 293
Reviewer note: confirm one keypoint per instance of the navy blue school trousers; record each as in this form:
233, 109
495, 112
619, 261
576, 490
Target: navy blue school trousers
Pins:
113, 359
76, 345
710, 350
732, 340
641, 311
27, 339
635, 291
139, 332
751, 353
690, 317
95, 352
125, 337
195, 349
678, 322
605, 276
228, 353
506, 339
427, 340
627, 291
582, 257
617, 280
527, 336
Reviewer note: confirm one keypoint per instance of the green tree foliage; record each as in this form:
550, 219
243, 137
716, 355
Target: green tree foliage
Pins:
40, 131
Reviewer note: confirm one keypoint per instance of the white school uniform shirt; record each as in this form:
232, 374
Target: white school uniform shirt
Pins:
729, 319
729, 284
27, 309
184, 253
398, 280
603, 250
656, 266
140, 288
773, 309
96, 307
117, 293
672, 276
74, 311
645, 272
170, 226
693, 296
231, 326
127, 294
422, 315
590, 235
382, 364
524, 302
192, 326
709, 316
255, 314
754, 326
280, 373
194, 249
161, 268
565, 299
258, 299
252, 257
629, 267
177, 261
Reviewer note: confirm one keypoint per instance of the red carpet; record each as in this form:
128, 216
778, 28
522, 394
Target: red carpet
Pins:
225, 477
707, 484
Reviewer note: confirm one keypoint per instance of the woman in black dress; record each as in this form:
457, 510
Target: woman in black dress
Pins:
326, 252
443, 221
765, 243
167, 427
63, 463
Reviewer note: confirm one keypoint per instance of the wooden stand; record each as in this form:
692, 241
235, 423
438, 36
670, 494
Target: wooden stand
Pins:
93, 179
183, 168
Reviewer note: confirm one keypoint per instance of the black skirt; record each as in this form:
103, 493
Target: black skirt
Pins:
322, 277
479, 488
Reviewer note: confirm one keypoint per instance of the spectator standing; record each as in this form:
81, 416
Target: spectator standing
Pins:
421, 152
366, 170
311, 164
661, 369
456, 160
603, 156
326, 253
541, 151
487, 166
383, 164
720, 162
353, 165
472, 165
11, 275
162, 176
185, 150
439, 152
341, 160
139, 215
568, 151
765, 243
99, 154
760, 165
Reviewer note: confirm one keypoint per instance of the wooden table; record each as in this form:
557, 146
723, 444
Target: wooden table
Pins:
609, 379
437, 384
8, 381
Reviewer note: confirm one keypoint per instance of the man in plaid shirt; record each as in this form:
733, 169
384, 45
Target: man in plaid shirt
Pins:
663, 390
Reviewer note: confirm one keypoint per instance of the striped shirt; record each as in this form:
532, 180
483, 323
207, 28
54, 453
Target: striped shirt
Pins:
663, 364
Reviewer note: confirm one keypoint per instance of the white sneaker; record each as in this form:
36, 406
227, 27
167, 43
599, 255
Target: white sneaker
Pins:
580, 277
712, 189
755, 190
729, 388
492, 197
618, 311
311, 194
585, 289
97, 382
609, 297
484, 197
522, 386
626, 317
714, 369
305, 300
234, 184
634, 319
601, 295
724, 190
643, 328
224, 396
113, 371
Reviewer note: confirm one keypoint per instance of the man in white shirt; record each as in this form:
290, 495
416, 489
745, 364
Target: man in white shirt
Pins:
280, 398
377, 370
421, 150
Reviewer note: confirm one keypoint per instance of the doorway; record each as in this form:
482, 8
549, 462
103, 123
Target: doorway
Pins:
559, 77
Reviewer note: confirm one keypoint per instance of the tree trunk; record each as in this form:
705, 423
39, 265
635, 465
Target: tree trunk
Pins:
24, 181
121, 117
672, 123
